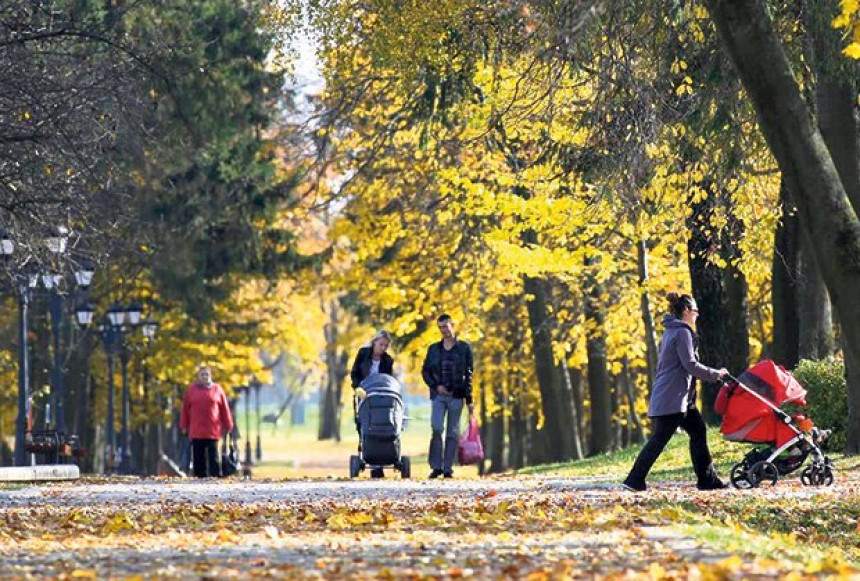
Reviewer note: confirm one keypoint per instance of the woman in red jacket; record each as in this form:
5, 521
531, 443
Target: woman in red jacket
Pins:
205, 417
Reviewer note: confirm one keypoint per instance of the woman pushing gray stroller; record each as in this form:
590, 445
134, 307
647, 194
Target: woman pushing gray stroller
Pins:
378, 409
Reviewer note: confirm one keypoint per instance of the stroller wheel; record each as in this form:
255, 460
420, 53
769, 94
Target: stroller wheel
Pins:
405, 467
761, 472
354, 466
817, 476
739, 476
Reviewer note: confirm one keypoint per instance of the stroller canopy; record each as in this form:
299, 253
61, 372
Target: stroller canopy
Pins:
747, 418
774, 383
381, 382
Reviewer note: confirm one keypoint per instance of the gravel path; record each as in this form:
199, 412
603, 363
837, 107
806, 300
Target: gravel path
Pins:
334, 529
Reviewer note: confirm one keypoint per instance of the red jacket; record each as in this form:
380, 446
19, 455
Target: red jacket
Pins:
205, 412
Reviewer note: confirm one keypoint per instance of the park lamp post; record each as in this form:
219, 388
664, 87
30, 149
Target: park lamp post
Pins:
83, 273
27, 279
119, 321
7, 247
123, 321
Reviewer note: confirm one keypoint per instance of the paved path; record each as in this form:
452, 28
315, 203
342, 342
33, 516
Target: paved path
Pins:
334, 529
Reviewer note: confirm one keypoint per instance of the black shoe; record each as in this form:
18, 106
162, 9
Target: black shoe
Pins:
377, 473
448, 475
634, 486
435, 474
715, 484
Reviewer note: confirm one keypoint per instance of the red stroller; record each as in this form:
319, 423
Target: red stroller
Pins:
750, 406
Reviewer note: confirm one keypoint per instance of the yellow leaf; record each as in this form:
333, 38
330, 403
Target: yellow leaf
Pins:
852, 50
119, 522
226, 536
84, 574
656, 571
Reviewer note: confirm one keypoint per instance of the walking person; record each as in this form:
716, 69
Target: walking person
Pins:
205, 417
673, 397
371, 359
447, 371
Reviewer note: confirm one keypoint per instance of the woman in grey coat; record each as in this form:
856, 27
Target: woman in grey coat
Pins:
673, 397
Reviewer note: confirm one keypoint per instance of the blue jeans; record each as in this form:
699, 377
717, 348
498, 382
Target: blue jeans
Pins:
442, 457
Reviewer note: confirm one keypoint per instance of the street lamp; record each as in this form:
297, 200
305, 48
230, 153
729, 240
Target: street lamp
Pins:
84, 314
27, 279
119, 321
7, 247
149, 328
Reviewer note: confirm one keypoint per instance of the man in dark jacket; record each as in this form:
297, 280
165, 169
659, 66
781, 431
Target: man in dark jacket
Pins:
447, 371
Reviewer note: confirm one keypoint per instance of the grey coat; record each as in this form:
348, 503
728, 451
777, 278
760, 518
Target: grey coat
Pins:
674, 389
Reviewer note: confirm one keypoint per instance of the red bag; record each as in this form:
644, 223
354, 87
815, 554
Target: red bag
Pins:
471, 450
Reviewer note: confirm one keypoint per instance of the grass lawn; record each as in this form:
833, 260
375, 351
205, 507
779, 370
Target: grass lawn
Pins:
295, 452
673, 464
811, 525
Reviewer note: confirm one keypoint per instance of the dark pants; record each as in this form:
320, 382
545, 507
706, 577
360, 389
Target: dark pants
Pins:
663, 428
205, 458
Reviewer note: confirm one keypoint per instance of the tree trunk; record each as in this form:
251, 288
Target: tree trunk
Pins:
826, 216
575, 426
785, 275
637, 433
721, 293
815, 319
574, 377
835, 96
556, 437
516, 425
599, 388
336, 360
495, 431
647, 317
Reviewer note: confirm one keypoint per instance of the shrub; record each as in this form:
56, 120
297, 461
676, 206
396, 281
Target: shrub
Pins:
827, 397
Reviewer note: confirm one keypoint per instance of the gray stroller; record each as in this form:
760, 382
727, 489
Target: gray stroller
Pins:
379, 421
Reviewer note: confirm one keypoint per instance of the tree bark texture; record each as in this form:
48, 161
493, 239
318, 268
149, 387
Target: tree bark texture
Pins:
599, 387
517, 427
555, 403
836, 86
785, 274
575, 424
815, 318
826, 215
721, 294
647, 317
336, 370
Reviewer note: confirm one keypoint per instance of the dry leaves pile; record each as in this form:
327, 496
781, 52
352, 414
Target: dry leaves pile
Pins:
484, 530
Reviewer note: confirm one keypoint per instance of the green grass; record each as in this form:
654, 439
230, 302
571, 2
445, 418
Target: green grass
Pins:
673, 464
293, 451
819, 529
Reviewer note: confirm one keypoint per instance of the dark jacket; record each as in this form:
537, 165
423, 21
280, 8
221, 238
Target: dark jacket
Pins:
431, 371
674, 389
362, 363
